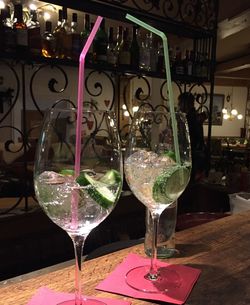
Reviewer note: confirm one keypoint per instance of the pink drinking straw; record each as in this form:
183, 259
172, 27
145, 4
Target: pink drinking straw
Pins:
80, 93
74, 203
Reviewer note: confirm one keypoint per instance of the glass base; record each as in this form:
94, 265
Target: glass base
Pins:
85, 301
163, 252
167, 279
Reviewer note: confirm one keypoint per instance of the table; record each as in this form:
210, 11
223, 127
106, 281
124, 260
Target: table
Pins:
221, 249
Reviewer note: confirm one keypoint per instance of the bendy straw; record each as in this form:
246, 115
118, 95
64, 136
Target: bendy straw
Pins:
168, 76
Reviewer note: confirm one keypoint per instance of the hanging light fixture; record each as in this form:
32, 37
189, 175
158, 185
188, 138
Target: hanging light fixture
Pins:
230, 113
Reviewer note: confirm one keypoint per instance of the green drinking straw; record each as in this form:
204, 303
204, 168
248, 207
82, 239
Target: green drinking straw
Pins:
168, 76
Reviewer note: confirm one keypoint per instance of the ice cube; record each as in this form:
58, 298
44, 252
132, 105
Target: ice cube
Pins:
50, 177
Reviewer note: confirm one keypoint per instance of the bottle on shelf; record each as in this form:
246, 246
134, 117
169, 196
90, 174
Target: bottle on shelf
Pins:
86, 30
188, 63
204, 65
152, 49
34, 35
75, 38
134, 50
84, 36
206, 68
100, 45
197, 65
48, 41
8, 43
124, 57
63, 37
178, 66
59, 21
118, 41
145, 54
160, 58
20, 30
111, 53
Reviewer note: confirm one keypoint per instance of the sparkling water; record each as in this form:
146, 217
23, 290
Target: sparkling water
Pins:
142, 168
68, 204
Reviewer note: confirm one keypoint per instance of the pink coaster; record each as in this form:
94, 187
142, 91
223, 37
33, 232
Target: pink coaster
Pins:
46, 296
116, 283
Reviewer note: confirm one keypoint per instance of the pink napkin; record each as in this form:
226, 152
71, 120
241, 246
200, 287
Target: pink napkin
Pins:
46, 296
116, 283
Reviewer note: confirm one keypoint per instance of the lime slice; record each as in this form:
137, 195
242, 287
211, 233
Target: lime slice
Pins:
98, 190
170, 184
67, 172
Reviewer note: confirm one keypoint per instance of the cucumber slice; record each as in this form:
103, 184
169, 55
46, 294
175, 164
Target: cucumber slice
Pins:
170, 184
111, 177
171, 155
98, 190
67, 172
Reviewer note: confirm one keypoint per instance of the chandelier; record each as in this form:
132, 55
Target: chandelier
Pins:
230, 113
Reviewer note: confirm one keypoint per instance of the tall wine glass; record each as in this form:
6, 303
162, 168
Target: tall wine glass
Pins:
157, 169
77, 197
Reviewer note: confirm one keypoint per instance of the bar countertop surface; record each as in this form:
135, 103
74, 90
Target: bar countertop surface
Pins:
221, 249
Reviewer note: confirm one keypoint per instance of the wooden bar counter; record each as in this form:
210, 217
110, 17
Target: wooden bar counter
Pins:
221, 249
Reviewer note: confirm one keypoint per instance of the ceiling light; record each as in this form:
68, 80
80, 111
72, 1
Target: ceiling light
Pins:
2, 4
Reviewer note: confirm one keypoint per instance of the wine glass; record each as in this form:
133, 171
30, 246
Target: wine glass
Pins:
157, 169
78, 195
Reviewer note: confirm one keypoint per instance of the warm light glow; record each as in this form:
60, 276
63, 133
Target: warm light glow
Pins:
33, 7
46, 16
234, 112
135, 108
112, 123
124, 107
2, 4
239, 116
126, 113
226, 116
224, 110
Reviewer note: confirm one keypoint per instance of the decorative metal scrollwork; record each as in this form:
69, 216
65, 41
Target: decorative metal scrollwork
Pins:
198, 13
13, 177
51, 84
141, 95
14, 93
95, 83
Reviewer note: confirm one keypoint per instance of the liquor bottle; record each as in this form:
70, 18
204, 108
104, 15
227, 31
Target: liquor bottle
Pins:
9, 43
84, 36
111, 54
59, 21
34, 35
48, 41
58, 50
63, 37
190, 64
20, 30
145, 53
124, 57
134, 50
171, 59
100, 45
86, 31
152, 49
75, 38
160, 58
204, 65
179, 68
118, 41
197, 65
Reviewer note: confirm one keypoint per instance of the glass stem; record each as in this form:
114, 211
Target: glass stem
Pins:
153, 272
78, 242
